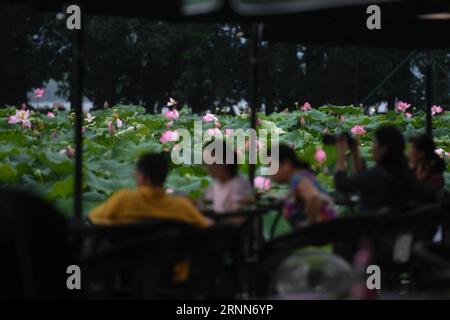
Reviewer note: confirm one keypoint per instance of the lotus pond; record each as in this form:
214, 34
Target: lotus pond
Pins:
36, 149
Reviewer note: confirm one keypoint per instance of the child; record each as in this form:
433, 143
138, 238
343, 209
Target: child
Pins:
229, 192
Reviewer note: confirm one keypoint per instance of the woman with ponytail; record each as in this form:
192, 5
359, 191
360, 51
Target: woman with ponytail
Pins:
307, 201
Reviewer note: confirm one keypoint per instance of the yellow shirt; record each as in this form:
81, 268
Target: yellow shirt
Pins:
128, 206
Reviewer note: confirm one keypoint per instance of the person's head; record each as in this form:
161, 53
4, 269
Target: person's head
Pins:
152, 169
225, 170
422, 151
389, 154
288, 163
389, 146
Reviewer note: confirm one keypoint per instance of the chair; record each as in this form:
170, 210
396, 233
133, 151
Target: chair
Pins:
35, 248
138, 261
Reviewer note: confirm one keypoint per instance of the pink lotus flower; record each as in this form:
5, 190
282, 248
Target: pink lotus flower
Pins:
119, 123
169, 136
320, 156
22, 117
402, 106
209, 118
262, 183
358, 130
50, 115
213, 132
306, 107
172, 115
39, 93
436, 109
111, 128
409, 115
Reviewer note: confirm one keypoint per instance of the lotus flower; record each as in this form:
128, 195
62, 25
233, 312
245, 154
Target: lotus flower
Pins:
22, 117
409, 115
119, 123
111, 128
172, 115
436, 109
50, 115
89, 118
441, 152
171, 102
262, 183
402, 106
213, 132
169, 190
39, 93
209, 118
306, 107
320, 156
168, 136
358, 130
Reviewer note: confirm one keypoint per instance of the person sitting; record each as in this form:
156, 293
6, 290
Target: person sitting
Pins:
307, 202
427, 166
388, 184
149, 200
230, 191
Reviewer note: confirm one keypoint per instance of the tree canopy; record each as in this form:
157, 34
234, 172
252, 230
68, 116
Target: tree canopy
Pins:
204, 65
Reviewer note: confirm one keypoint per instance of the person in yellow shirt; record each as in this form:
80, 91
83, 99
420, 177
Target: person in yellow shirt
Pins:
149, 200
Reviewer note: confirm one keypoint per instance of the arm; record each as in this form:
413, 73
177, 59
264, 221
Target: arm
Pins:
357, 163
194, 216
